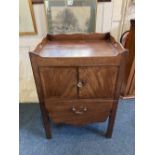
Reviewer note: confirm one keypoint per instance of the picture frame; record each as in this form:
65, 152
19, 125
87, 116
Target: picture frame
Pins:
27, 24
70, 17
42, 1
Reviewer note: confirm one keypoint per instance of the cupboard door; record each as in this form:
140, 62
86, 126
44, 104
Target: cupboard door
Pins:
97, 82
59, 82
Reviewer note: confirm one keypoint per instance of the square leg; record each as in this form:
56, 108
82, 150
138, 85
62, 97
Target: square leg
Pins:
46, 122
110, 127
47, 127
111, 121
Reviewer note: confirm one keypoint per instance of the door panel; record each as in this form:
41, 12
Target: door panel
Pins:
97, 82
59, 82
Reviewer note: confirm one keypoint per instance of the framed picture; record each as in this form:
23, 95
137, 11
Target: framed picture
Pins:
71, 16
27, 23
41, 1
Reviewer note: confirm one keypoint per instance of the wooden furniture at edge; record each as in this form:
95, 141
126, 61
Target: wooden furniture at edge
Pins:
78, 78
128, 88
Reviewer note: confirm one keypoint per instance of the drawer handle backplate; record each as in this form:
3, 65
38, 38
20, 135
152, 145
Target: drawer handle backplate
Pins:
80, 111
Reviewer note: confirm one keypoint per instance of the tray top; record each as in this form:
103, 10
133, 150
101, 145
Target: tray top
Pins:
76, 47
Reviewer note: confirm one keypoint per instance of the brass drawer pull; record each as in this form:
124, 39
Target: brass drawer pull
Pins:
79, 112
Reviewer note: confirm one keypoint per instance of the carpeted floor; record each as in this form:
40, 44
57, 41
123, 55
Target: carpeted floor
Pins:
70, 140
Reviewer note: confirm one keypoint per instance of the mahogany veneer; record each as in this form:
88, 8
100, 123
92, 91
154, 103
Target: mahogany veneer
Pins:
78, 78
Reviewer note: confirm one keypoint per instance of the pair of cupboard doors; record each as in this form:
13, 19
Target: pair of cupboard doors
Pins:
79, 82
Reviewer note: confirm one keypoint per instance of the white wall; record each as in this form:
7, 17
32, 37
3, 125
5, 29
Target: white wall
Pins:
109, 19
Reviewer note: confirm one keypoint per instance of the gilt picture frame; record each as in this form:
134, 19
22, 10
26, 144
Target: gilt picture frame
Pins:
64, 17
27, 23
41, 1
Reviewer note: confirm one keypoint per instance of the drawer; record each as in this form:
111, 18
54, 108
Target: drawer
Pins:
79, 112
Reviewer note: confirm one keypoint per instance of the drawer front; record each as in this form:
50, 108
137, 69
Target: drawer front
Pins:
97, 82
79, 112
59, 82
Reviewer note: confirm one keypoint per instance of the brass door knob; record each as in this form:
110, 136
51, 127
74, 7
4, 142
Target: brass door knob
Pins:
80, 84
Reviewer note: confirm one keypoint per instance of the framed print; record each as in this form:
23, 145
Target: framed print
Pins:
27, 23
71, 16
41, 1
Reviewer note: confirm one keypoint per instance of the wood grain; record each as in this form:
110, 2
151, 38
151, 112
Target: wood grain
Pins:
79, 89
61, 111
78, 45
45, 116
59, 82
99, 82
128, 87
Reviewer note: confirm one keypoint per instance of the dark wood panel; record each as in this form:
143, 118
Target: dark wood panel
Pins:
97, 82
41, 1
130, 67
79, 112
130, 45
59, 82
130, 87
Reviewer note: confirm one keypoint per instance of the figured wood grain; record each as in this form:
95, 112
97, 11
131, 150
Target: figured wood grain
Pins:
59, 82
97, 81
57, 78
